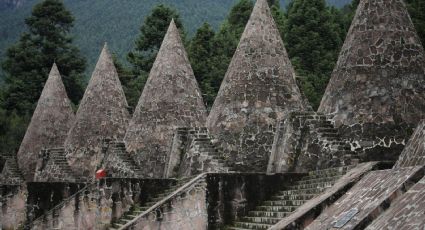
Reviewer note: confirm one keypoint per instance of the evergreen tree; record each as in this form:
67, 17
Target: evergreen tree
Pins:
152, 33
27, 65
131, 83
28, 62
200, 54
313, 45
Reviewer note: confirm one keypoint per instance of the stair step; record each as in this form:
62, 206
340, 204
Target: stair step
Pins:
277, 208
261, 220
268, 214
250, 225
305, 180
300, 191
312, 186
284, 202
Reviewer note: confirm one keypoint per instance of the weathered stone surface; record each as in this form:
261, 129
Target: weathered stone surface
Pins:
171, 98
368, 198
302, 216
414, 153
10, 173
193, 152
307, 141
118, 163
258, 90
376, 142
12, 206
407, 212
50, 123
185, 211
380, 75
102, 115
94, 206
53, 167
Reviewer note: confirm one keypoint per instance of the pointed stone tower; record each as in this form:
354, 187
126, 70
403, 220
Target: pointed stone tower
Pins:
171, 98
50, 123
102, 115
258, 90
380, 75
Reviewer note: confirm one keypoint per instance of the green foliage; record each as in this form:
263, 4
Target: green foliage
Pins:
152, 33
200, 53
313, 41
225, 43
28, 63
131, 83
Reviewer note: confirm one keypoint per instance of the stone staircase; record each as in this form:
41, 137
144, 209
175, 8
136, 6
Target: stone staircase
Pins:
10, 173
201, 153
56, 168
328, 138
138, 209
119, 163
284, 202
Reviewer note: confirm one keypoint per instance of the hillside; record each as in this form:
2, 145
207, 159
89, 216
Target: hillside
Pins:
114, 21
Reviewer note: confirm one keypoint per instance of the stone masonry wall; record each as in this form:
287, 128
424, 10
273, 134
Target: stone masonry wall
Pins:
231, 196
307, 141
259, 89
380, 76
98, 205
193, 152
13, 207
367, 199
414, 153
186, 211
376, 142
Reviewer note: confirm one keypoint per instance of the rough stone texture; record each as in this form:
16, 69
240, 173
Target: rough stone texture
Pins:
53, 167
118, 163
414, 153
10, 173
171, 98
93, 207
307, 141
371, 196
13, 208
50, 123
258, 90
232, 196
102, 115
380, 75
185, 211
376, 142
407, 212
303, 215
193, 152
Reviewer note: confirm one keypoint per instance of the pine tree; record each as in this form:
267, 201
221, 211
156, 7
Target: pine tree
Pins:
200, 54
152, 33
28, 62
313, 43
131, 83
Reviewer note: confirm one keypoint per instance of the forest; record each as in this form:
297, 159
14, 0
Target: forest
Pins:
313, 32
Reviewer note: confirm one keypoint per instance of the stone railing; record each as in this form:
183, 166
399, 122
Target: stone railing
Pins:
166, 200
58, 207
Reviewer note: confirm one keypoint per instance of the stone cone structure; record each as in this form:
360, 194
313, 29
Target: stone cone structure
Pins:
258, 90
414, 153
171, 99
102, 115
50, 123
380, 75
